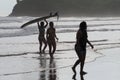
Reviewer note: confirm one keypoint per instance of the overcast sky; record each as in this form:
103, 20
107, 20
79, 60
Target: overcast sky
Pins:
6, 7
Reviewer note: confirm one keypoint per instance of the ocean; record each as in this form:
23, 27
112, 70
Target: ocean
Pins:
19, 47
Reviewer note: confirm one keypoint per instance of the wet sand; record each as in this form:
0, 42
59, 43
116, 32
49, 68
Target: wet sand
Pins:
26, 64
105, 68
19, 58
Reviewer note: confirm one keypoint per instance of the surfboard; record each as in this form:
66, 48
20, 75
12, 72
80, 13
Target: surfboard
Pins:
39, 19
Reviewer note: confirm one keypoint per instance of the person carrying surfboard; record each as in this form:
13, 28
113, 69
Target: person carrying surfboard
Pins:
51, 36
41, 37
80, 46
40, 19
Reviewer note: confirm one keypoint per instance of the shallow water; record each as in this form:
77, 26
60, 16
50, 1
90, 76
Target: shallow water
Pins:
19, 58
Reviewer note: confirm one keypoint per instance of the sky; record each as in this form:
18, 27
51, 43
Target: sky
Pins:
6, 7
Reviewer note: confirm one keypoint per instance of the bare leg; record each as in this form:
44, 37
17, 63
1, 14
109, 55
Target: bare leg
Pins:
82, 64
50, 50
54, 47
74, 66
81, 71
45, 42
40, 44
77, 62
40, 47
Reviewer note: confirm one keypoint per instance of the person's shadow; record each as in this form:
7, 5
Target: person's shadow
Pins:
51, 73
81, 76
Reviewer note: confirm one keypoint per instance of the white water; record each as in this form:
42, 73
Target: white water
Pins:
98, 29
14, 42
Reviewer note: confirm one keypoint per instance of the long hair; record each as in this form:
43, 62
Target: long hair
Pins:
83, 25
51, 24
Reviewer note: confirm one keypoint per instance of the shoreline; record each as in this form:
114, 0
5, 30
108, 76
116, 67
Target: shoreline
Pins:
95, 69
19, 58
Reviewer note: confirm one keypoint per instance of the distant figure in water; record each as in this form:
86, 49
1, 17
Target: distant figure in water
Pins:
80, 47
51, 36
41, 36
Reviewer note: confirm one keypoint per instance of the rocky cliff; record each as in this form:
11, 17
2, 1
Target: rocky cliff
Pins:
67, 7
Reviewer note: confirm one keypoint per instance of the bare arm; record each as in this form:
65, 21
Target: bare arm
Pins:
56, 36
46, 23
90, 44
47, 33
38, 24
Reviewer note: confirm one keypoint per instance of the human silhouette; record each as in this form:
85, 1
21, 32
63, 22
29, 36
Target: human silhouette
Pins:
51, 36
74, 76
80, 46
41, 36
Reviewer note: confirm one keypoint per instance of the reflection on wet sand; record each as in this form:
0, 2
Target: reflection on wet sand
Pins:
81, 76
50, 73
42, 65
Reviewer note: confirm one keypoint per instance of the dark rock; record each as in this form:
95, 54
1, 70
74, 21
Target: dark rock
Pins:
67, 7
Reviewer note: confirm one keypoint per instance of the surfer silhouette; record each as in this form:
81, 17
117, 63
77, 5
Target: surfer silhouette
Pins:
80, 47
41, 37
51, 36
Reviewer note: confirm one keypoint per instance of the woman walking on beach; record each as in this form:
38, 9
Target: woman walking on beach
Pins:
41, 36
51, 35
80, 46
